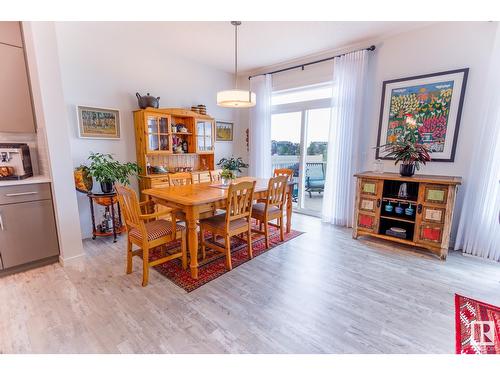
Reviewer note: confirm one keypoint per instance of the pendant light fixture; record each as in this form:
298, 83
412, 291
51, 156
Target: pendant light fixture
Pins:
236, 98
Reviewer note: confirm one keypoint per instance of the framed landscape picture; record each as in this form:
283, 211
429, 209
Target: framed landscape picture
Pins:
224, 131
101, 123
433, 102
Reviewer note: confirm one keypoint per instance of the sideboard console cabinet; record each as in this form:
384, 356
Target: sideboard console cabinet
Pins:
415, 210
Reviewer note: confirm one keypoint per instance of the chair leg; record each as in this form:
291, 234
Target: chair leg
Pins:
227, 242
129, 257
145, 266
184, 249
249, 238
266, 233
282, 231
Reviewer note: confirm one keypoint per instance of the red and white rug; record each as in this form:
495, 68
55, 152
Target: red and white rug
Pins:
213, 265
477, 326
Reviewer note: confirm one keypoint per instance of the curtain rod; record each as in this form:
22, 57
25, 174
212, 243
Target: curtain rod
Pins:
371, 48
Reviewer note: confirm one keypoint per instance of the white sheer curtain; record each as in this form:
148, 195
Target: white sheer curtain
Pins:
479, 227
260, 128
349, 75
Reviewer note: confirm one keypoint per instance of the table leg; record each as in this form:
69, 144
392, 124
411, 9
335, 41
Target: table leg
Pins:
289, 209
191, 217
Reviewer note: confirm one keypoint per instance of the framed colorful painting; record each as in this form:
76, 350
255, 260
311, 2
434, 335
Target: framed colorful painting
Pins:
100, 123
224, 131
432, 102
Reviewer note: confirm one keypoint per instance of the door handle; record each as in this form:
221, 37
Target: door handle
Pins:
419, 208
378, 202
18, 194
1, 222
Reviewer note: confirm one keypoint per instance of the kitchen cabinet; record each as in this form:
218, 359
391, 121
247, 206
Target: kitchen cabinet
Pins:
16, 111
27, 225
10, 33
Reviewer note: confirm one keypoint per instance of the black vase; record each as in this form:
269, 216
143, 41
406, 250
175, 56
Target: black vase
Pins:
407, 170
107, 187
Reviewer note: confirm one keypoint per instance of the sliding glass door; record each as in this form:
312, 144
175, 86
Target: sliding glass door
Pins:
299, 133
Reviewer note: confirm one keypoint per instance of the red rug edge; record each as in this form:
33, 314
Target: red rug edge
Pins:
458, 338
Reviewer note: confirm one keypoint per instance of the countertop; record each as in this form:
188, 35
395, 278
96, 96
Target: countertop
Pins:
26, 181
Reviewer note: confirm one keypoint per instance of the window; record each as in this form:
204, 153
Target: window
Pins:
300, 125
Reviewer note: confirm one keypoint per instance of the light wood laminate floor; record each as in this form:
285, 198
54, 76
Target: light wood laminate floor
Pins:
322, 292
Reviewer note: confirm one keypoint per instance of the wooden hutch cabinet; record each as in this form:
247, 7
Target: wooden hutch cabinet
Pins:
415, 210
174, 138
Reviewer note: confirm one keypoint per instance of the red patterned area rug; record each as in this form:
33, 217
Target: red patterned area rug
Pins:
213, 265
477, 326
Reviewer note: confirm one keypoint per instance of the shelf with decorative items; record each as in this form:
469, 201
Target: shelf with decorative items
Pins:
188, 143
414, 210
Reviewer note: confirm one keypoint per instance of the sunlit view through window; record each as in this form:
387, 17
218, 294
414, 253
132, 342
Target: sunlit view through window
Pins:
299, 133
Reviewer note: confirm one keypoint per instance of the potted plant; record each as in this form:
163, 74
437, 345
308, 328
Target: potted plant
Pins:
107, 171
408, 149
232, 164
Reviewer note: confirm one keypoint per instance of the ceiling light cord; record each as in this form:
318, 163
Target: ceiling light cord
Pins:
236, 24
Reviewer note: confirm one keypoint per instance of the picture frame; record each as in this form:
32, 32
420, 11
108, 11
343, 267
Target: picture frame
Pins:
434, 100
98, 123
224, 131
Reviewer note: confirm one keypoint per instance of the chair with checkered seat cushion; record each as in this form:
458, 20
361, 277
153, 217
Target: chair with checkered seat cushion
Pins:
272, 208
147, 231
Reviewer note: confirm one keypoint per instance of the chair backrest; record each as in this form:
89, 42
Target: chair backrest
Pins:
239, 201
129, 205
179, 179
315, 171
284, 172
200, 177
276, 191
216, 175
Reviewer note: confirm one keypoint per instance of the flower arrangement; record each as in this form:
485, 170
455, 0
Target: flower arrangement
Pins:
408, 148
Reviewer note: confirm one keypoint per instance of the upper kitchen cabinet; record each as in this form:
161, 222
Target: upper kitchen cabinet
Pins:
10, 33
16, 111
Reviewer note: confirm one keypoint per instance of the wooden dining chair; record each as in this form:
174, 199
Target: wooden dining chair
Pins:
216, 175
200, 177
283, 172
279, 172
180, 178
147, 231
235, 221
272, 208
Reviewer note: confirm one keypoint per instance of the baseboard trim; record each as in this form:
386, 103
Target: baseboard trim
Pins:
64, 261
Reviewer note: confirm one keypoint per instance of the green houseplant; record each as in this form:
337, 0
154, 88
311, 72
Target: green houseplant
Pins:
232, 164
107, 171
408, 149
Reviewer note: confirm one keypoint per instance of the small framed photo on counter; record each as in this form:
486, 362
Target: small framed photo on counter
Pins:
98, 123
224, 131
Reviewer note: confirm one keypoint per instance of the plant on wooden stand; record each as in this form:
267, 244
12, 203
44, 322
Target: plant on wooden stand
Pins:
107, 171
408, 149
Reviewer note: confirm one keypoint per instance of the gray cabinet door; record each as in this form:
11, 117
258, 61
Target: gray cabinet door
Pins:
27, 232
10, 33
15, 98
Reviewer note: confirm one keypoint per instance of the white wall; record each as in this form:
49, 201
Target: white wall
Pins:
104, 65
441, 47
438, 47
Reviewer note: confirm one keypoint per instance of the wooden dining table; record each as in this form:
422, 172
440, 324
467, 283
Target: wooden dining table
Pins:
201, 200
